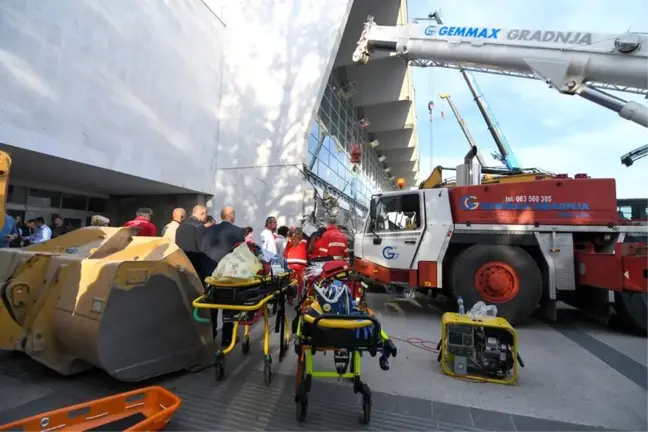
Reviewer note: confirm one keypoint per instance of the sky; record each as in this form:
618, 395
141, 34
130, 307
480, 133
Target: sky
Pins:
548, 130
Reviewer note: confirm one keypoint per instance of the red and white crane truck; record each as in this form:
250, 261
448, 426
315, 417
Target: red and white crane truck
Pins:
516, 245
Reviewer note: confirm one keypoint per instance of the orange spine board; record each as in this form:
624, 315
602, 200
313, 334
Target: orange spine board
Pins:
155, 403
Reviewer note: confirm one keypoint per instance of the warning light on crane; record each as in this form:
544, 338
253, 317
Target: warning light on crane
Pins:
400, 182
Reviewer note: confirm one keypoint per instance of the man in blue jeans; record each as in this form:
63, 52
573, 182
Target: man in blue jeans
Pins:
8, 232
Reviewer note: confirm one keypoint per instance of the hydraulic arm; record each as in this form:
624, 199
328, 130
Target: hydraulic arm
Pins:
464, 128
505, 155
578, 63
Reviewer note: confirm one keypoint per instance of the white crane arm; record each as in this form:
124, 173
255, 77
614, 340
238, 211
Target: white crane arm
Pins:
572, 62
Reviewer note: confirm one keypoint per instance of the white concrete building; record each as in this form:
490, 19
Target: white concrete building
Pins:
107, 106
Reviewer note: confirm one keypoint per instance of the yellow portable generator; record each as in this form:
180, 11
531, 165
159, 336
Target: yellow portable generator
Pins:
481, 349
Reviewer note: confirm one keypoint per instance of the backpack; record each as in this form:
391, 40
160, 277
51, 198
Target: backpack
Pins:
334, 296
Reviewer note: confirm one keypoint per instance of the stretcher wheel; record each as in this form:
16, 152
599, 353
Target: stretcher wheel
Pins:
245, 346
384, 363
302, 403
219, 367
366, 405
267, 370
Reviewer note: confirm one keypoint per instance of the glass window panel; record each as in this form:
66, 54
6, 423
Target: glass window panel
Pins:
644, 213
324, 155
97, 205
326, 145
312, 143
315, 130
72, 223
17, 214
326, 105
333, 163
16, 194
74, 202
44, 198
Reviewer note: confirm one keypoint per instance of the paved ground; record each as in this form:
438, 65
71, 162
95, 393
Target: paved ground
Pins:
579, 376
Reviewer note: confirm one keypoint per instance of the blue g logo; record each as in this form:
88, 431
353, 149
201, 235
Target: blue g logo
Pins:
468, 202
388, 253
430, 30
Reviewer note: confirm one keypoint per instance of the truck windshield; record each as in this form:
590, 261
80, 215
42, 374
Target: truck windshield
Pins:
396, 213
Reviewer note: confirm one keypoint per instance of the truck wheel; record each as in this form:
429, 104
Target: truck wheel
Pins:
506, 276
632, 308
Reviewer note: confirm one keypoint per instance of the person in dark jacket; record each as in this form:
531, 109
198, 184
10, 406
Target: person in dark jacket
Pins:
189, 235
218, 241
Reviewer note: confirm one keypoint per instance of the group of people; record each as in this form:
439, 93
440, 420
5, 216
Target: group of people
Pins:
206, 243
15, 233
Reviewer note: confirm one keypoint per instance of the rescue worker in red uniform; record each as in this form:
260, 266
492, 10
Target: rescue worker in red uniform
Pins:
333, 242
316, 244
143, 221
296, 254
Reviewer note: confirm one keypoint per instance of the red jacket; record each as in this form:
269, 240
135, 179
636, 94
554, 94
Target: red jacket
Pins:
334, 243
296, 256
318, 248
147, 228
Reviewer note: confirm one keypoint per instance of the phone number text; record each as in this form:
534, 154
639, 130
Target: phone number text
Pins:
529, 199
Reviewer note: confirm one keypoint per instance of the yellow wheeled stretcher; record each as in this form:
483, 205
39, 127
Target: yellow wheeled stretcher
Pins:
248, 301
322, 327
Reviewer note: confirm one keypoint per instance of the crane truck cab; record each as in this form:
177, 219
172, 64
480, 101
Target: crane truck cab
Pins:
516, 245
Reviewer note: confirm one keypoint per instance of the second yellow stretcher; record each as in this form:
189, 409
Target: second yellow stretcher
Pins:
247, 302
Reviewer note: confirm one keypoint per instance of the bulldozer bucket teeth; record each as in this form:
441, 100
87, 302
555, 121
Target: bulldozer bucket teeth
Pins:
104, 298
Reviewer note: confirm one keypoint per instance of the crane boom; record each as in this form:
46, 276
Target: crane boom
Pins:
464, 128
506, 155
629, 158
580, 63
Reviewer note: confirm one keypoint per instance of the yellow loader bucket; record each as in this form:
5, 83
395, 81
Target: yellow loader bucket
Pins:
102, 297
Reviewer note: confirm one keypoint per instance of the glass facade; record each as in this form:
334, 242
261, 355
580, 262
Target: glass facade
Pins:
337, 127
30, 203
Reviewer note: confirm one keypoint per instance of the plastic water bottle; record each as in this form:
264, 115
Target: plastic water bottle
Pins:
460, 303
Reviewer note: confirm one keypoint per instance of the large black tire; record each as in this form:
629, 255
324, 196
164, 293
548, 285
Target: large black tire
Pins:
632, 308
516, 307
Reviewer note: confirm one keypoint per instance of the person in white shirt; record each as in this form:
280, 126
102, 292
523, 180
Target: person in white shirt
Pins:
169, 231
268, 237
283, 232
42, 233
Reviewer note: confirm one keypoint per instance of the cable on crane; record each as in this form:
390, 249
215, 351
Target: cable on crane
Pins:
431, 110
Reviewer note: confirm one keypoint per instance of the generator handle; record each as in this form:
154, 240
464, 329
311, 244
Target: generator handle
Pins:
519, 359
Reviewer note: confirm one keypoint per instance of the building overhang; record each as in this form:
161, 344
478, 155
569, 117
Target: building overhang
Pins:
39, 168
383, 90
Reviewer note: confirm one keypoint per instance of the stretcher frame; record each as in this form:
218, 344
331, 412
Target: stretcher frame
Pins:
306, 351
281, 325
